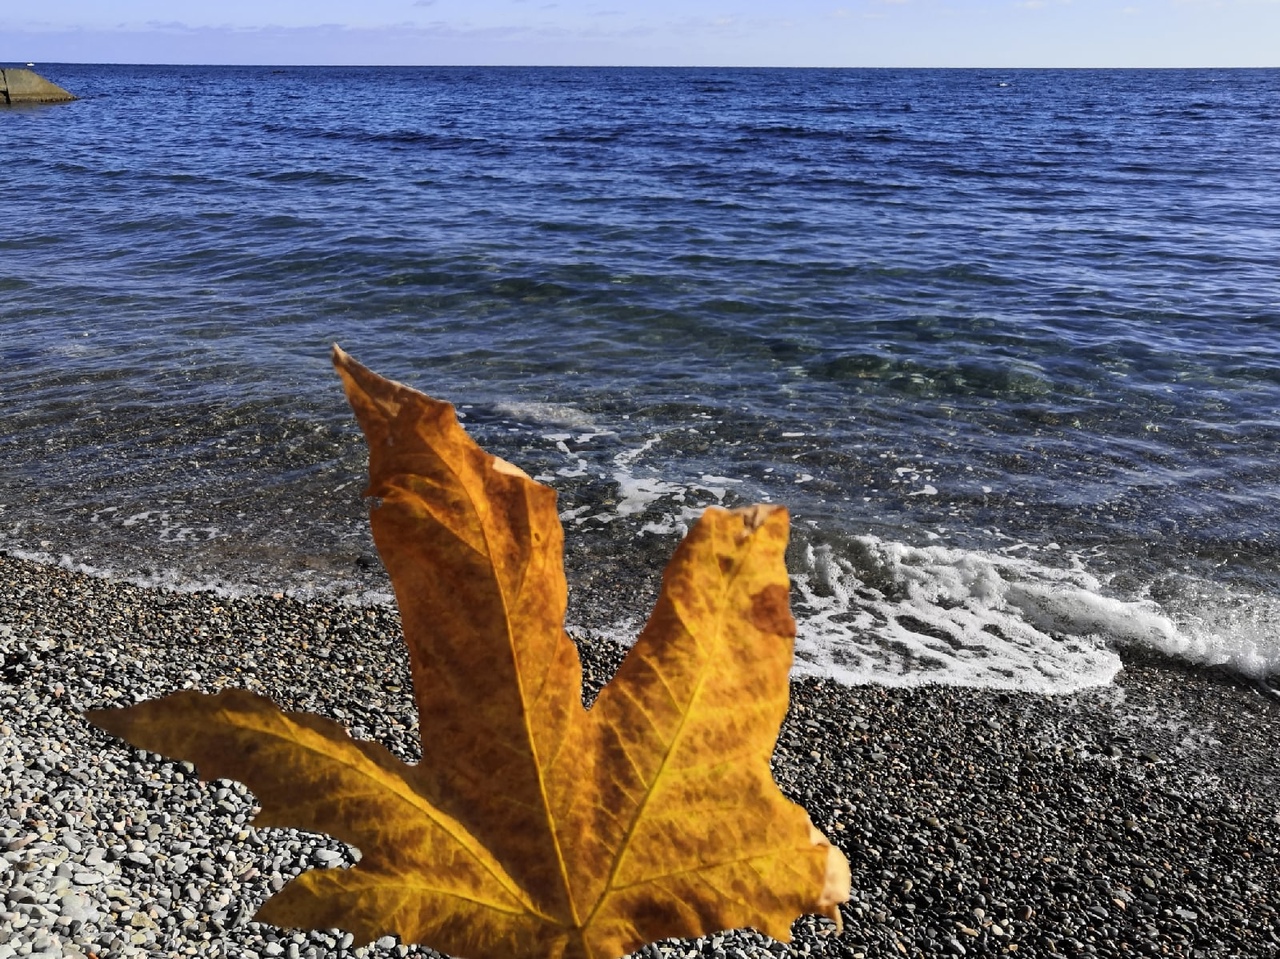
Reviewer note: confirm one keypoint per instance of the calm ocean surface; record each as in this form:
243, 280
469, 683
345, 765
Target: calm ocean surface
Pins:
1006, 343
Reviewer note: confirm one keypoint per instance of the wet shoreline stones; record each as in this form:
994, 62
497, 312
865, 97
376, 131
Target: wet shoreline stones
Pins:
1138, 819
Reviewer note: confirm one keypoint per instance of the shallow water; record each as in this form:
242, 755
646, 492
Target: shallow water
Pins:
1005, 343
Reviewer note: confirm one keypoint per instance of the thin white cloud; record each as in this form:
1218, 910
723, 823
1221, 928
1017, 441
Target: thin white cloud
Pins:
829, 32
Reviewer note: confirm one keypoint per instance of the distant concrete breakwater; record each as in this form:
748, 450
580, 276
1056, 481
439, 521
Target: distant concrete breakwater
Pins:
20, 85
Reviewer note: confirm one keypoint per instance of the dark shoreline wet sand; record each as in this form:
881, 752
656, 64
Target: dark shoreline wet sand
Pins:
1141, 818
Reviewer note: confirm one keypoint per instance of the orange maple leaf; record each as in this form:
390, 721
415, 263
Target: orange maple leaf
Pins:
533, 826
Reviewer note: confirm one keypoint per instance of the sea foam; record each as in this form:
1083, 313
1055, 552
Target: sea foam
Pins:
872, 610
886, 612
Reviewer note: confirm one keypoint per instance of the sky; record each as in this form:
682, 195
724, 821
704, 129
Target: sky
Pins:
793, 33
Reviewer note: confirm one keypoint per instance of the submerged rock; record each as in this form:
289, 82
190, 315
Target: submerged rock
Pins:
20, 85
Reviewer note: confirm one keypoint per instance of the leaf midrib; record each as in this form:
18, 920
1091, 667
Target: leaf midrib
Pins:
641, 810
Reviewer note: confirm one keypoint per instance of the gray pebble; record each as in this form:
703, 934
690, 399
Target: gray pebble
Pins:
328, 857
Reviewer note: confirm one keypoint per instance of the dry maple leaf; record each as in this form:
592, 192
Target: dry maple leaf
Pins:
532, 826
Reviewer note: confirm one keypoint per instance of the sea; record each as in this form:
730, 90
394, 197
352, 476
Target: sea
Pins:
1005, 342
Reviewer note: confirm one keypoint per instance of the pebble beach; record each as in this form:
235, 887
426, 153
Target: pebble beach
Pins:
1140, 818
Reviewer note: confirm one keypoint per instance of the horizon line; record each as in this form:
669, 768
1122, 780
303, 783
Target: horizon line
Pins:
27, 64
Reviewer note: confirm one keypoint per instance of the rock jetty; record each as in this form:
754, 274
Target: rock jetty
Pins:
20, 85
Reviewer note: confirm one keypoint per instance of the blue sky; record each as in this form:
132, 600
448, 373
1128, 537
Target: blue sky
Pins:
929, 33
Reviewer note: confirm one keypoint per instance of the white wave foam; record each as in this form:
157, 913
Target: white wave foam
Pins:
1223, 627
901, 615
642, 491
558, 414
684, 502
160, 523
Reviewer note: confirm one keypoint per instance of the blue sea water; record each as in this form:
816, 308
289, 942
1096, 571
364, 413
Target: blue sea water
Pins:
1007, 343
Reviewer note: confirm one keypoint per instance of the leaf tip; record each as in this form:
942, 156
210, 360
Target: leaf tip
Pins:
509, 469
756, 516
103, 719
